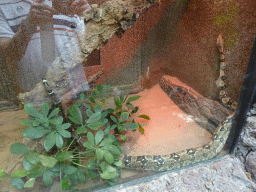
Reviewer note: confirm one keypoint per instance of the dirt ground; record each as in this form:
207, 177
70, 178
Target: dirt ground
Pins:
10, 132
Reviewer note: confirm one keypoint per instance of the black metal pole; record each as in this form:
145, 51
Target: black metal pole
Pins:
245, 100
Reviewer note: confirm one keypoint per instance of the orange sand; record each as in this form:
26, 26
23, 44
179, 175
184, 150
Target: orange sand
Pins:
169, 130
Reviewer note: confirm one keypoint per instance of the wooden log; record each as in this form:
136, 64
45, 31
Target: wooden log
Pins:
206, 112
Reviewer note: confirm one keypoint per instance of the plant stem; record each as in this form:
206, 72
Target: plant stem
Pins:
71, 143
79, 165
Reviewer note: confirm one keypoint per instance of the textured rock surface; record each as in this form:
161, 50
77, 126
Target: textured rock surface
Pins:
250, 164
226, 175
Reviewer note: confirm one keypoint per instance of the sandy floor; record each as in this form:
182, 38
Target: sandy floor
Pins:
10, 132
169, 130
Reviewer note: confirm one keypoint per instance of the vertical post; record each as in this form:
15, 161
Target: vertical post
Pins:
245, 99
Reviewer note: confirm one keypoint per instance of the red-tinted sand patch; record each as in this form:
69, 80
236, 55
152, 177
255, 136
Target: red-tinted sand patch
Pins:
169, 130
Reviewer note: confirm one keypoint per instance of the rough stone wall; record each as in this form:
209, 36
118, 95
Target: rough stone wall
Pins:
189, 52
178, 38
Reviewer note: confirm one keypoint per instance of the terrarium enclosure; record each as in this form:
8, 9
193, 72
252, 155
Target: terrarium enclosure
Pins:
185, 59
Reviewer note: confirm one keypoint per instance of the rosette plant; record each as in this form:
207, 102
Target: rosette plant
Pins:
64, 155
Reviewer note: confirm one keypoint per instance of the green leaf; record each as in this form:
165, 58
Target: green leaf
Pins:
141, 129
99, 136
99, 154
82, 96
60, 119
94, 94
81, 129
27, 122
144, 117
36, 172
54, 112
53, 121
99, 88
123, 137
45, 109
106, 167
120, 128
17, 183
108, 175
74, 120
30, 183
36, 122
94, 118
87, 105
91, 99
29, 109
119, 163
89, 112
90, 138
47, 161
64, 156
81, 177
95, 125
130, 106
19, 173
104, 114
18, 148
47, 178
106, 141
116, 150
91, 164
113, 127
92, 128
112, 182
107, 129
68, 170
132, 126
2, 173
65, 183
28, 166
98, 108
78, 104
90, 174
124, 116
58, 167
117, 101
133, 98
59, 140
108, 156
76, 113
113, 118
35, 132
65, 126
88, 145
135, 110
122, 97
73, 177
31, 157
50, 141
65, 133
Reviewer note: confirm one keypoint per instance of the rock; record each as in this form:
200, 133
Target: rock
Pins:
248, 136
250, 164
247, 139
226, 175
